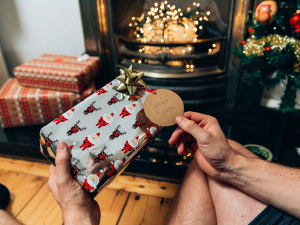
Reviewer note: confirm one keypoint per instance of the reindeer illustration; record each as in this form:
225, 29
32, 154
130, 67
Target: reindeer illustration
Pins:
138, 123
102, 155
48, 141
114, 100
75, 129
74, 169
116, 133
91, 108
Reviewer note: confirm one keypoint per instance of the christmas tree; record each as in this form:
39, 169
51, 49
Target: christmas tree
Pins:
270, 50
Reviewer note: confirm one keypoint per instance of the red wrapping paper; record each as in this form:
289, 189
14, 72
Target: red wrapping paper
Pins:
57, 72
21, 106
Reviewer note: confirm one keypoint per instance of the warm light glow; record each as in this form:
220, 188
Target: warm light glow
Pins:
153, 160
184, 35
188, 9
130, 24
196, 22
194, 3
200, 27
133, 18
162, 7
165, 162
161, 24
132, 60
161, 14
166, 2
192, 66
175, 28
197, 12
189, 48
209, 50
195, 39
195, 29
183, 51
200, 18
198, 4
156, 4
147, 47
140, 50
179, 9
208, 13
145, 39
165, 36
214, 45
187, 66
181, 14
140, 61
162, 40
137, 35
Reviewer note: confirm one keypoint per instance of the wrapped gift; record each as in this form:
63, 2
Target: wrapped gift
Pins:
58, 72
26, 106
112, 132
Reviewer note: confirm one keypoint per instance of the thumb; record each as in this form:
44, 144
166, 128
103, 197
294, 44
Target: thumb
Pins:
190, 127
62, 161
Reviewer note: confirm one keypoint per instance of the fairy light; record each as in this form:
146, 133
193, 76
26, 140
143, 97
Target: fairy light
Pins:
192, 66
208, 13
198, 4
140, 50
189, 48
195, 39
165, 36
133, 18
200, 18
130, 24
183, 51
210, 50
162, 40
156, 4
147, 47
195, 29
187, 66
145, 39
184, 35
214, 45
139, 61
137, 35
200, 27
188, 9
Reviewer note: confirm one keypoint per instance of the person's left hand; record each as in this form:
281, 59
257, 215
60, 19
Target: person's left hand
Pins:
76, 205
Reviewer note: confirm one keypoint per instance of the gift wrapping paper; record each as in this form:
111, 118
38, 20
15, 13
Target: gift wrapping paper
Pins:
58, 72
21, 106
111, 132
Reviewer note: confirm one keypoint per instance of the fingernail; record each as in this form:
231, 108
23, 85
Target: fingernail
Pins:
60, 146
179, 119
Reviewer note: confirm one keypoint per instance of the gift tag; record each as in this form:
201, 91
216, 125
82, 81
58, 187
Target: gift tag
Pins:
163, 107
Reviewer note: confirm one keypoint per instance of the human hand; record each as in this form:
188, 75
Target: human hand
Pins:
76, 205
202, 136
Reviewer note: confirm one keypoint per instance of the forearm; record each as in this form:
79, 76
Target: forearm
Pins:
78, 218
271, 183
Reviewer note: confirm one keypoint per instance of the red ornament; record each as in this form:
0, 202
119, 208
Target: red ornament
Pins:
267, 48
297, 30
295, 20
250, 30
243, 42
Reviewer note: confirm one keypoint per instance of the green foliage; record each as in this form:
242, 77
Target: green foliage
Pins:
274, 66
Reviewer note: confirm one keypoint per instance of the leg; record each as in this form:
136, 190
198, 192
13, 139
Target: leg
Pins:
232, 205
193, 203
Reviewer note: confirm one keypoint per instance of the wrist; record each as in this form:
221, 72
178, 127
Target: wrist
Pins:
235, 169
75, 217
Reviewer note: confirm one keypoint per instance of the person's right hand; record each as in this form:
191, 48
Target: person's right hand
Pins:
202, 136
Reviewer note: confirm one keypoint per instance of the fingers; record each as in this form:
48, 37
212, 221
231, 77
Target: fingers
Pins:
62, 161
176, 136
197, 117
191, 127
52, 177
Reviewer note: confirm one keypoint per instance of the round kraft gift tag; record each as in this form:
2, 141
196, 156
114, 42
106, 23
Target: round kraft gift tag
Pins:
163, 107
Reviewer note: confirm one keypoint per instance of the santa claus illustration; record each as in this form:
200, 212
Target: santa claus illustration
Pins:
130, 145
116, 167
105, 89
91, 182
150, 133
90, 141
105, 120
127, 110
64, 117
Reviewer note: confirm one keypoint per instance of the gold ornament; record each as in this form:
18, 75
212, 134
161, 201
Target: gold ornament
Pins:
265, 12
257, 47
130, 82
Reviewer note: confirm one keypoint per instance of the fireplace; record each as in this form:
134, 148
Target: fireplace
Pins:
180, 45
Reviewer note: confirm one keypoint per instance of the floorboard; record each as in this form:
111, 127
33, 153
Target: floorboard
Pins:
127, 200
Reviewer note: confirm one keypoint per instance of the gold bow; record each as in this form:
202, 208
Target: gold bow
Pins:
130, 82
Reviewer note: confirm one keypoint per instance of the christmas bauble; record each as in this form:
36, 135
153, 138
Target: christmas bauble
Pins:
265, 12
295, 20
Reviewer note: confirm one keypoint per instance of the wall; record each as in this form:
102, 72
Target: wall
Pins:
29, 28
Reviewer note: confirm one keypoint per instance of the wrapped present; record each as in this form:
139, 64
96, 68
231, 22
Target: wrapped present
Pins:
26, 106
58, 72
112, 132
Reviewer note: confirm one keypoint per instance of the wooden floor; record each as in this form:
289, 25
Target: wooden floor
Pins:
127, 200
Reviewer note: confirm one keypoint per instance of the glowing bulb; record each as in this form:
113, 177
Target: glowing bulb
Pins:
168, 5
145, 39
188, 9
210, 50
162, 7
198, 4
176, 17
200, 18
195, 39
133, 18
208, 13
165, 36
168, 17
184, 35
149, 13
160, 11
150, 28
140, 50
195, 29
192, 66
161, 24
137, 35
171, 50
200, 27
162, 40
194, 3
214, 45
166, 2
179, 9
187, 66
147, 47
161, 14
183, 51
196, 22
130, 24
189, 48
132, 60
156, 4
175, 28
140, 61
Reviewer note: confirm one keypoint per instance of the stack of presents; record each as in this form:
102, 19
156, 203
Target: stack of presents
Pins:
45, 87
